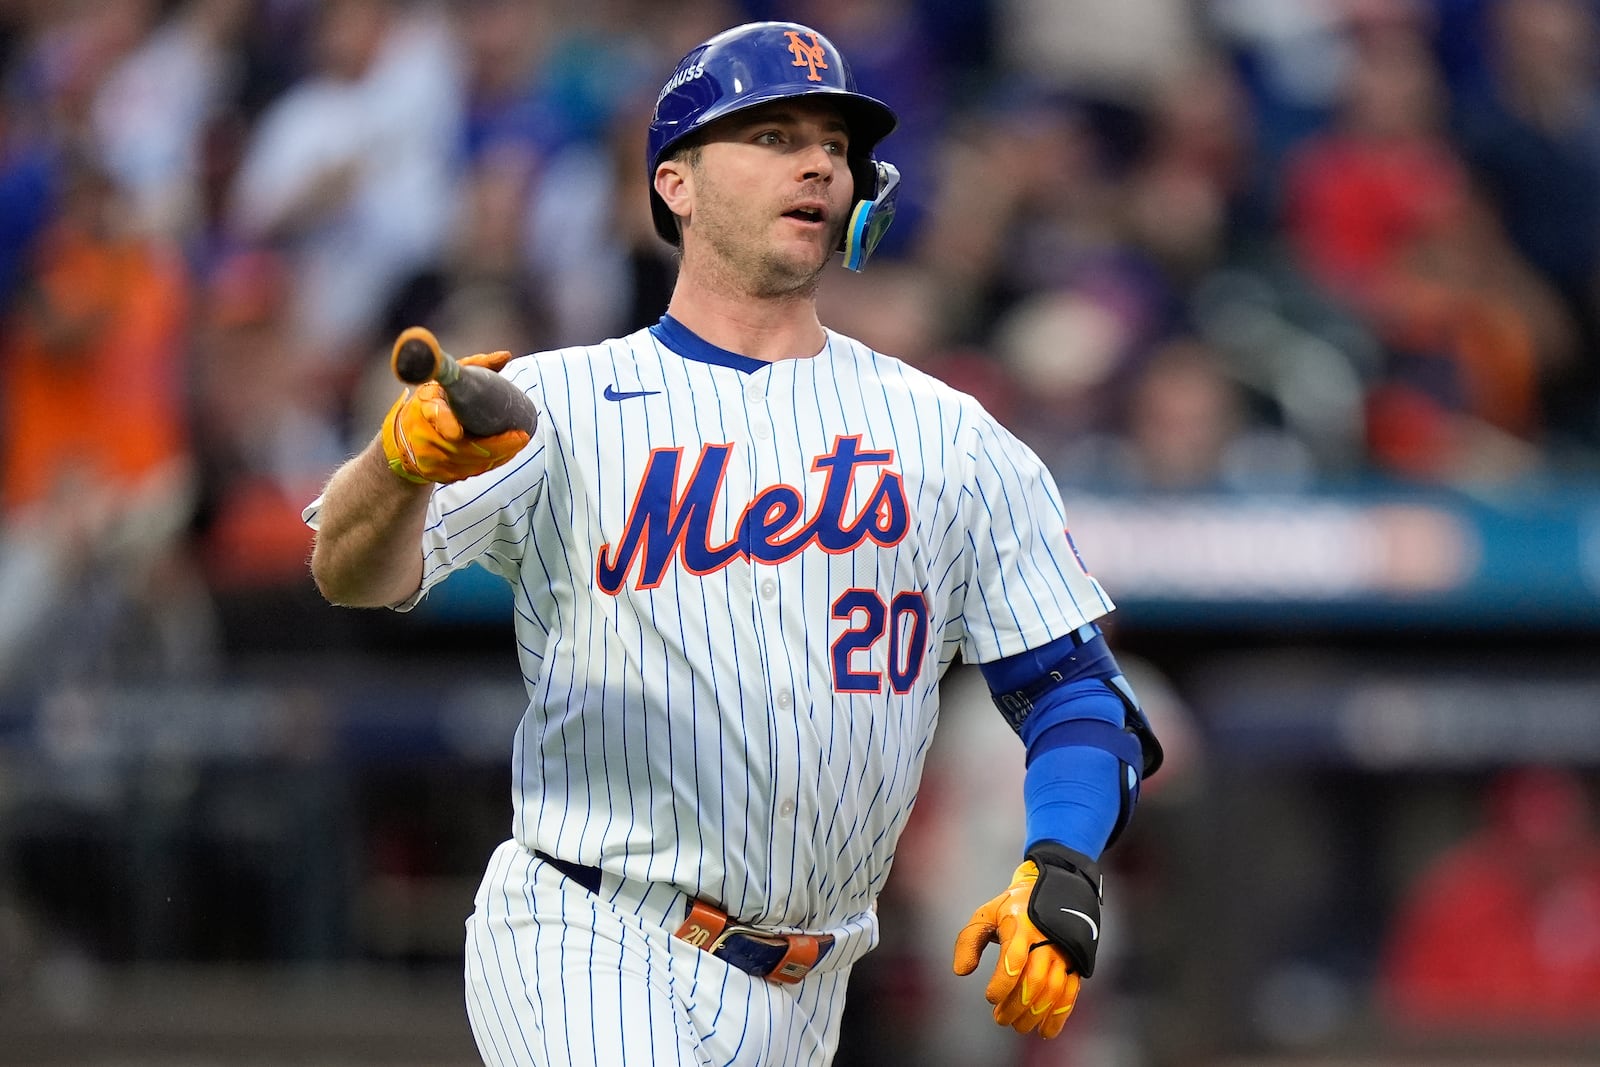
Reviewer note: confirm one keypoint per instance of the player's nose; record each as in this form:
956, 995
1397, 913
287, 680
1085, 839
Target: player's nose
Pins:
817, 162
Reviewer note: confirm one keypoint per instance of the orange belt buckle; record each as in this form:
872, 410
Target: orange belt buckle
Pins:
703, 926
798, 961
707, 927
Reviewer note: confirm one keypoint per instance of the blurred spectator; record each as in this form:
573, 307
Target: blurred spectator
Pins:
92, 349
1381, 176
27, 193
95, 466
151, 110
1190, 192
1381, 212
264, 438
1187, 426
1023, 203
62, 62
505, 44
348, 171
1114, 51
1501, 934
479, 295
57, 56
590, 242
1291, 56
1533, 139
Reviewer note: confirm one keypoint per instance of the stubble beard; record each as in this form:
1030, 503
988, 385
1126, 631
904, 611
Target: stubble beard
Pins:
745, 261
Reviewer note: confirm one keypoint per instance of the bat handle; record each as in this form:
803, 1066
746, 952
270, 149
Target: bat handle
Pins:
484, 403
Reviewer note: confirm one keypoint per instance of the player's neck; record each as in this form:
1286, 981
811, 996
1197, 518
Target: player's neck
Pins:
769, 329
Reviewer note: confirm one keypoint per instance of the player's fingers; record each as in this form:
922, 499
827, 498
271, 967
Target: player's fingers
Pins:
1042, 977
1008, 1007
1054, 1024
436, 409
500, 447
1007, 970
1037, 989
1047, 980
1057, 1017
970, 943
495, 361
1027, 1021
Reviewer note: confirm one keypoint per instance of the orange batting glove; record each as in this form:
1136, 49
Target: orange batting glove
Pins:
1037, 977
425, 443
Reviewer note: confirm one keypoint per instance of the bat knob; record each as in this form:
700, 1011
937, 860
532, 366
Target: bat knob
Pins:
417, 356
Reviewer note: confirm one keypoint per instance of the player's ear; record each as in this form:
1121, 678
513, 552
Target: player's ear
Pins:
674, 184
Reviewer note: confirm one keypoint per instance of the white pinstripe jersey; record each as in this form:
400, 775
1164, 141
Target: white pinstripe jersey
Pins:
737, 585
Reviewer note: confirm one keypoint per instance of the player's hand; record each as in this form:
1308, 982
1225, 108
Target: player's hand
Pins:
424, 442
1037, 977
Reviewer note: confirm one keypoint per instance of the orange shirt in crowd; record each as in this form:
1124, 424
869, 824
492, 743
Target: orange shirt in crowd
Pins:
92, 392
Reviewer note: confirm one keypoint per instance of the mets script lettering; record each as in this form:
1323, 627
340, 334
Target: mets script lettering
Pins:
807, 55
665, 525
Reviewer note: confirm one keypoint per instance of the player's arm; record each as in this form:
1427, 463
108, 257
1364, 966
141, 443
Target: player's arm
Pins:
368, 546
1089, 746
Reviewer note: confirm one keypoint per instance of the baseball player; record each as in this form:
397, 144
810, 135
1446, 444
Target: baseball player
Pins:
744, 549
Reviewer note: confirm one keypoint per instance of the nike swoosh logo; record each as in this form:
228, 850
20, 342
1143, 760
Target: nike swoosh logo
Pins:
1094, 927
612, 394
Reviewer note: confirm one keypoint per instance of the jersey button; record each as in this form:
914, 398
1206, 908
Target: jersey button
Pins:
785, 699
761, 430
754, 394
786, 809
769, 589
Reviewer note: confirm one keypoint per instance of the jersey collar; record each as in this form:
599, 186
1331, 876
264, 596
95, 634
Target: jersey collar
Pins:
690, 345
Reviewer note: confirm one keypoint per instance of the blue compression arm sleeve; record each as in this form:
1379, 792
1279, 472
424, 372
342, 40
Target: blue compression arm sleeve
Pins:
1072, 792
1072, 789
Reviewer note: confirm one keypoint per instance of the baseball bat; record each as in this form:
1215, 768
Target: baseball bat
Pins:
484, 403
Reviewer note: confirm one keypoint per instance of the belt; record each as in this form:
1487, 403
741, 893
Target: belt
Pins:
783, 958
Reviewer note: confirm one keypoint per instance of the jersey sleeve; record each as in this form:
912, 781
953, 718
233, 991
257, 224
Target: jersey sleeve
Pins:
1027, 584
487, 519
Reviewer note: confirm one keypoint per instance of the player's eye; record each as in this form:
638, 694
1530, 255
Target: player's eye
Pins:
836, 147
769, 137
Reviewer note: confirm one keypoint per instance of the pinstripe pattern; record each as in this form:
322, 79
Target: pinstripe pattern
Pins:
702, 730
550, 969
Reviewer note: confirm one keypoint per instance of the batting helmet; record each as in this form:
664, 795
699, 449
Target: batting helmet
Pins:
765, 61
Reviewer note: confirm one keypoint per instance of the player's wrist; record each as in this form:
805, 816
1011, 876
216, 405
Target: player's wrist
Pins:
1066, 900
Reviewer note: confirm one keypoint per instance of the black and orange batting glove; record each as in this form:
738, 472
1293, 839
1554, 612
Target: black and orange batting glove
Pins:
1047, 924
424, 441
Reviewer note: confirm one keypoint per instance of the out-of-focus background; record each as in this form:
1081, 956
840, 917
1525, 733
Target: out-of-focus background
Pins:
1298, 299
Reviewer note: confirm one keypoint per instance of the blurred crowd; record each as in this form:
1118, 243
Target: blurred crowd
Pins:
1236, 246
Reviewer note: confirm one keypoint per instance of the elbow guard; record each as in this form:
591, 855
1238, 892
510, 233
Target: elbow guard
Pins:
1079, 704
1020, 683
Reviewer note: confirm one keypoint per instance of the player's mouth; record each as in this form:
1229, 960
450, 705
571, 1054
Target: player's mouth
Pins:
808, 214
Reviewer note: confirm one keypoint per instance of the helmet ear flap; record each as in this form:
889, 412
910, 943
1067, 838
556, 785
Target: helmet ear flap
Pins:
871, 216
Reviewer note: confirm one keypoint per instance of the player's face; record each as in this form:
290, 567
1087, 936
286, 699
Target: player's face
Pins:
772, 194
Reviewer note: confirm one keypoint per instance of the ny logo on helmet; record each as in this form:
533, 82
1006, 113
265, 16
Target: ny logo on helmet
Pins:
807, 55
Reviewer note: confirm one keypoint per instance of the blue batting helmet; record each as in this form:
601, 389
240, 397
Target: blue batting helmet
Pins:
765, 61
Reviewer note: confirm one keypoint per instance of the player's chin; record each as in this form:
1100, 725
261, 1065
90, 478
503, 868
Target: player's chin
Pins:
800, 258
824, 236
809, 252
